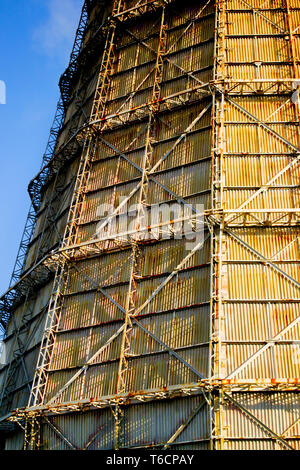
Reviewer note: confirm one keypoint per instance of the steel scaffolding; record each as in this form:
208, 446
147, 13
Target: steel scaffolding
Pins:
224, 95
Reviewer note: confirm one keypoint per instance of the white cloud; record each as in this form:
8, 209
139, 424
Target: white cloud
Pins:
2, 352
2, 92
56, 35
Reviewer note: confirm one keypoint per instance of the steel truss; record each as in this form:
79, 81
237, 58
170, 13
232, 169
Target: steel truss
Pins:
70, 74
25, 283
217, 390
35, 193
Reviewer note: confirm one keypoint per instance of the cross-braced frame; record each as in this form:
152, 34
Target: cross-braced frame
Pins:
116, 287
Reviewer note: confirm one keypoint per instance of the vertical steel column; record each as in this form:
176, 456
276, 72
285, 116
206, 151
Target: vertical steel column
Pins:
52, 322
38, 390
140, 220
130, 307
32, 431
294, 60
91, 141
71, 231
154, 108
292, 39
296, 68
216, 223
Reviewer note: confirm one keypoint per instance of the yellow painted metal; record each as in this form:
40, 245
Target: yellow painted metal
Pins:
200, 102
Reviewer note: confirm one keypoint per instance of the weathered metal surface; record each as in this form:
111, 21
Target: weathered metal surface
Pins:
227, 318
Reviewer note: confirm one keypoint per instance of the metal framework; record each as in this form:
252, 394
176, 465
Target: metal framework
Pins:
22, 286
51, 145
223, 388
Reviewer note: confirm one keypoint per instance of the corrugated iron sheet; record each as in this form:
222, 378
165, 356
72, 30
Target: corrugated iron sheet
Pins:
259, 302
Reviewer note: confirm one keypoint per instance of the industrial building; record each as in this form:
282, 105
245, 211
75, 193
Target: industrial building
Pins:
123, 335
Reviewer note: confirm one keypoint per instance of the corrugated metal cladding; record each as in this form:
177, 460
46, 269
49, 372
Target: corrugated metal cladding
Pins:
26, 327
258, 326
142, 426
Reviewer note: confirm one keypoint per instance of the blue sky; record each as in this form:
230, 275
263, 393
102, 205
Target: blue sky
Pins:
36, 38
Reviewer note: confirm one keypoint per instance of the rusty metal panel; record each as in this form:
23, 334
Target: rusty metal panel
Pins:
15, 441
145, 425
278, 411
142, 426
91, 431
250, 338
